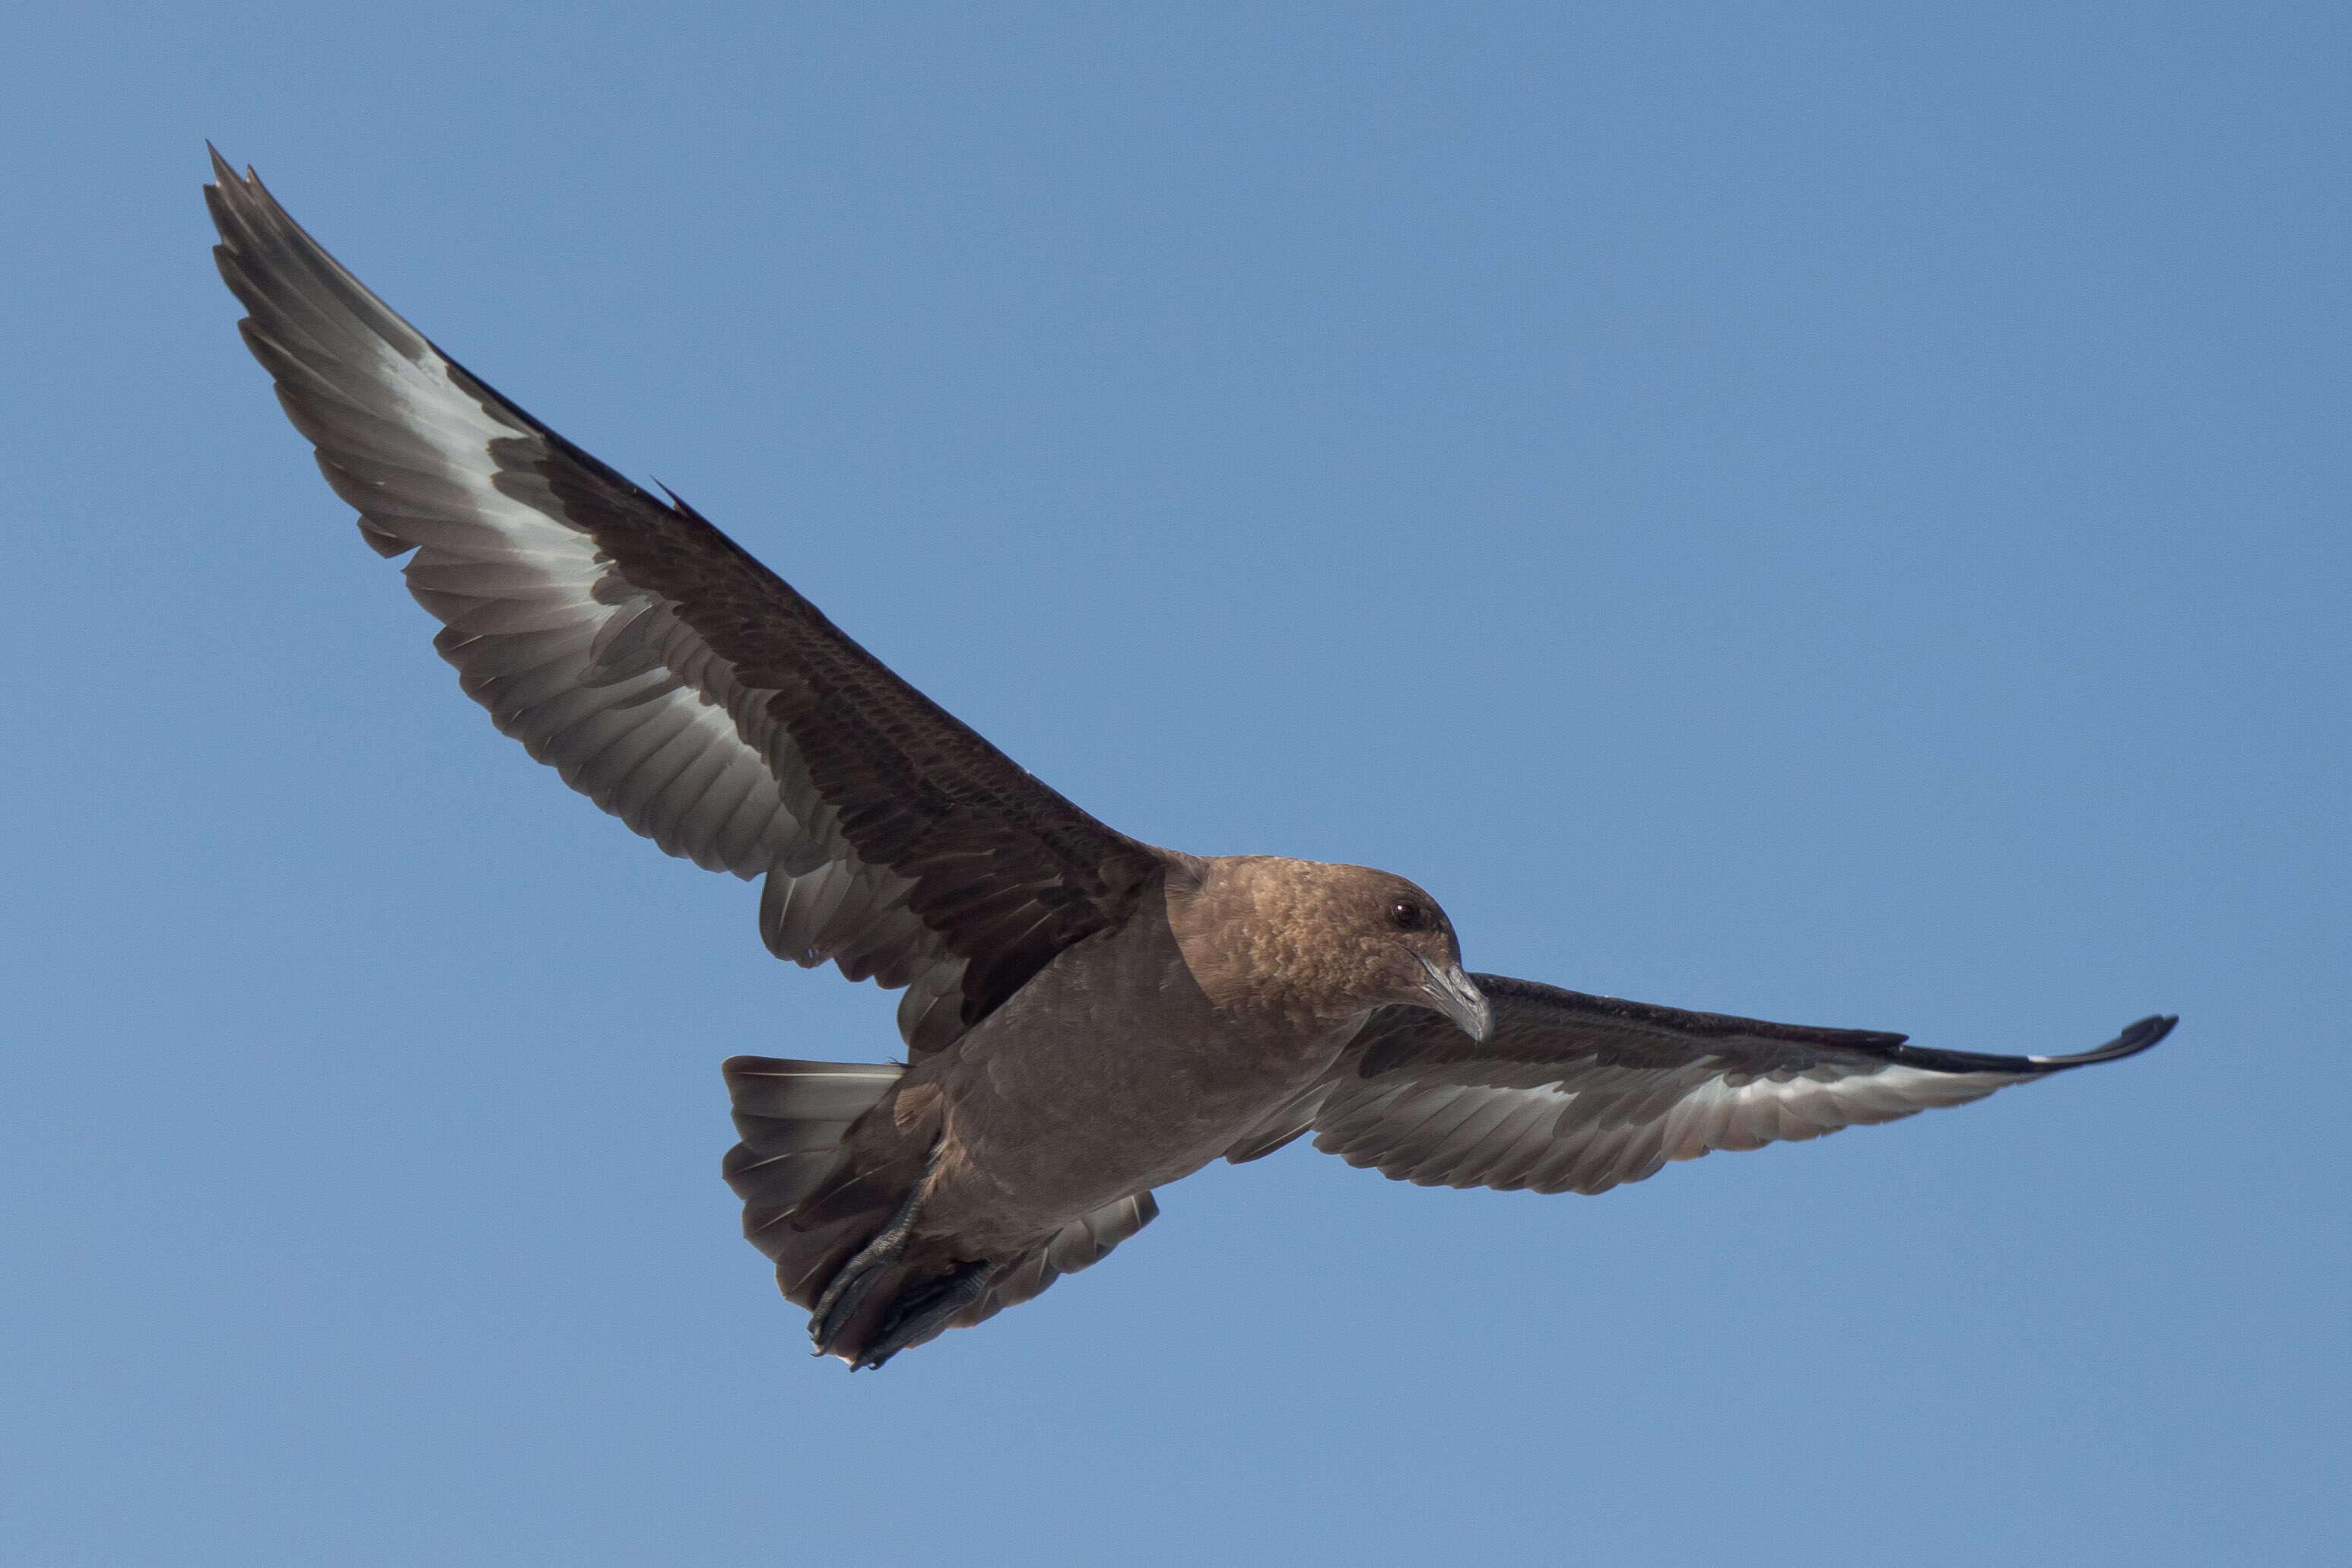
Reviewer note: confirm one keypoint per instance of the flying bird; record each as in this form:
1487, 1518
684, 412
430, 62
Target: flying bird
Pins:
1086, 1018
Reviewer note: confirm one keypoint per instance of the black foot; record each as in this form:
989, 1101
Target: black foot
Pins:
916, 1317
851, 1282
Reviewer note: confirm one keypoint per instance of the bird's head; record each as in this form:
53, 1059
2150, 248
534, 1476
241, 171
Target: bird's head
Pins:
1411, 953
1332, 939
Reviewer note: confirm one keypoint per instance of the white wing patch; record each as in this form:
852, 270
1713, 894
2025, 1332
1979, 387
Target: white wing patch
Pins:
595, 676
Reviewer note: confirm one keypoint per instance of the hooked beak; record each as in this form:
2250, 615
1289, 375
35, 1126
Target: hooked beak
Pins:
1457, 996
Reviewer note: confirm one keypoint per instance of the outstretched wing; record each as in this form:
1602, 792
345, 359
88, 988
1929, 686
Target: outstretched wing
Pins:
668, 675
1577, 1093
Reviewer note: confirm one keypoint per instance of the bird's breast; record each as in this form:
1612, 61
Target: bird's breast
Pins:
1110, 1072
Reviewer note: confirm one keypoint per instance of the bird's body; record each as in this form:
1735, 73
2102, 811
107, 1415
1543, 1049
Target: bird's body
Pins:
1119, 1068
1136, 1055
1086, 1016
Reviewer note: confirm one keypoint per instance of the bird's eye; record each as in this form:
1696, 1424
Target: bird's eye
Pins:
1408, 915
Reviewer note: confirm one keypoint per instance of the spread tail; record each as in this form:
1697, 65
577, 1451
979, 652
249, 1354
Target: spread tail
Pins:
827, 1221
804, 1205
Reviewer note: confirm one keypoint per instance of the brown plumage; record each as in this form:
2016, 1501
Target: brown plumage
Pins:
1087, 1017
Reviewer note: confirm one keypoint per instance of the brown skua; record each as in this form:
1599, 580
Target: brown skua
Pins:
1087, 1017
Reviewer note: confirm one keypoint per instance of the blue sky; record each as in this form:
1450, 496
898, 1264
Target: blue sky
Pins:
1831, 513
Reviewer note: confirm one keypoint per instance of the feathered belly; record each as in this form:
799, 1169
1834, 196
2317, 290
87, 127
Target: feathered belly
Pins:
1109, 1074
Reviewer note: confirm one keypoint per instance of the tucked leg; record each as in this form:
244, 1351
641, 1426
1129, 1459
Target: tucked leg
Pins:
917, 1315
856, 1278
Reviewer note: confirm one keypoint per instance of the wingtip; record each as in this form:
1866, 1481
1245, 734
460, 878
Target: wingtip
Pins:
2135, 1039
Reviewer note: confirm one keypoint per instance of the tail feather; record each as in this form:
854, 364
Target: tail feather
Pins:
765, 1090
804, 1205
810, 1208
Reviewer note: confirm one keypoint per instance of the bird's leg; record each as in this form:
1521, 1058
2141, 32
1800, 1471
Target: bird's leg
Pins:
916, 1317
853, 1278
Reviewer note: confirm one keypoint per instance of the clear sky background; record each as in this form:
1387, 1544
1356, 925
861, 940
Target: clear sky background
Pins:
1835, 513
